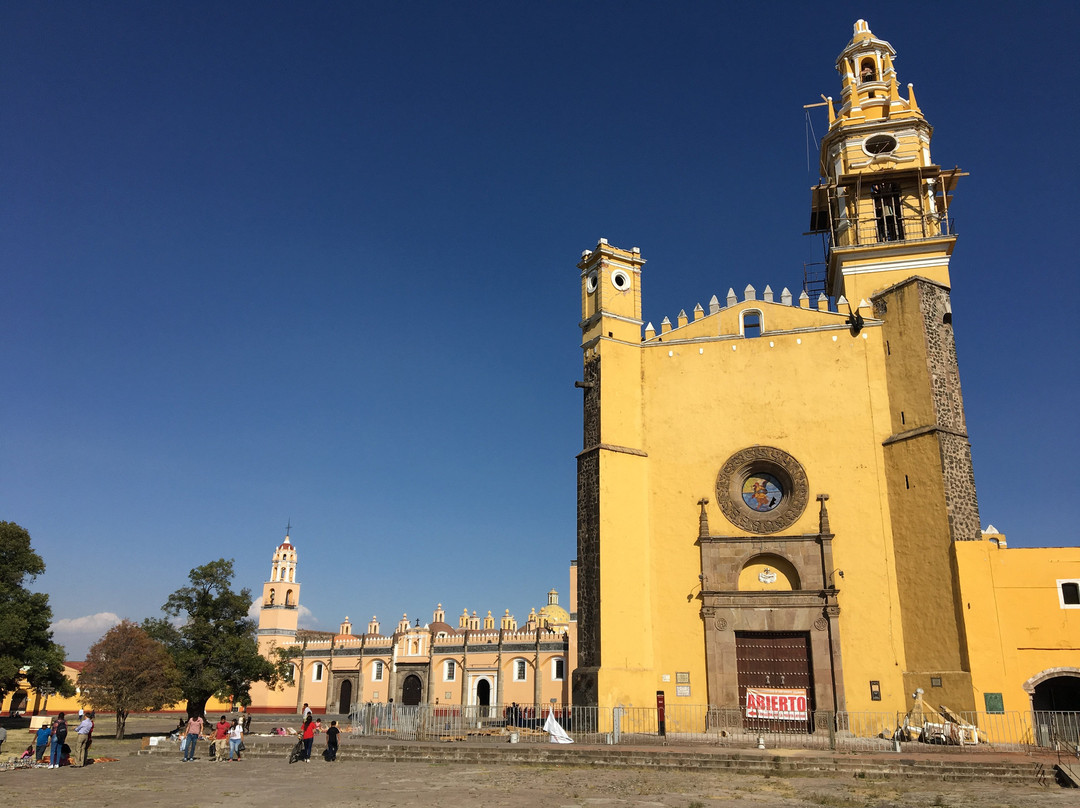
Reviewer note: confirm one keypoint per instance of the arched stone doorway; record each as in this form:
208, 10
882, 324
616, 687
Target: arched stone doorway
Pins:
345, 698
1056, 691
412, 690
18, 703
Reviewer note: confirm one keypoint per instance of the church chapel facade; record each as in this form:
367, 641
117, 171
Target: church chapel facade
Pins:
776, 495
479, 663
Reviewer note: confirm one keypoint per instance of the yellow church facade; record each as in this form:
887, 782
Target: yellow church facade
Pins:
776, 493
480, 662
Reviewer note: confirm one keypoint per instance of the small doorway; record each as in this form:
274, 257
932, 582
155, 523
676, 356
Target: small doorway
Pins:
483, 696
412, 690
345, 700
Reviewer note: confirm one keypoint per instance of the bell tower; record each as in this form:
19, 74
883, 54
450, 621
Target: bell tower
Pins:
882, 202
613, 459
278, 615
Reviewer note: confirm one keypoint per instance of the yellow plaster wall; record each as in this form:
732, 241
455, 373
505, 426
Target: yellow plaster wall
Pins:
1014, 622
819, 395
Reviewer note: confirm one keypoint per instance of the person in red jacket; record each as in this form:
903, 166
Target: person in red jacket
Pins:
307, 734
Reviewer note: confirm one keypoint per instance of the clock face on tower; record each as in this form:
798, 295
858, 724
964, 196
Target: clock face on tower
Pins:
879, 144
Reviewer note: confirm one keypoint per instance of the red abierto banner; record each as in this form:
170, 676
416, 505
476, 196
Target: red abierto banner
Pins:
785, 704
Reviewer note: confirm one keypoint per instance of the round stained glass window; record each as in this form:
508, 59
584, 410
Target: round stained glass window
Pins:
762, 489
762, 492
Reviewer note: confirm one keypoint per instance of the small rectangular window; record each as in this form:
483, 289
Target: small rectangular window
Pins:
558, 670
377, 671
1069, 594
317, 673
451, 671
519, 670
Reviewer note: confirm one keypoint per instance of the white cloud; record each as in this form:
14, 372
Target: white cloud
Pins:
100, 623
77, 634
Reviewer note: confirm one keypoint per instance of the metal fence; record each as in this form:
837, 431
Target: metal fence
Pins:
721, 727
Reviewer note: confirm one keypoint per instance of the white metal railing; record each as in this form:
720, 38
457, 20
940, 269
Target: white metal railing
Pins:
726, 727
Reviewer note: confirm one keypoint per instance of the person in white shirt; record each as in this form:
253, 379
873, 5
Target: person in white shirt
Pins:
236, 736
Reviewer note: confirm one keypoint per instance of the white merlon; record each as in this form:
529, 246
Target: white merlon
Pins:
804, 298
767, 294
749, 293
603, 241
698, 312
682, 314
714, 305
785, 297
991, 529
731, 299
841, 302
863, 304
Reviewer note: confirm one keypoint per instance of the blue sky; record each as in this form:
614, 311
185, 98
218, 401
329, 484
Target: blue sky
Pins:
316, 261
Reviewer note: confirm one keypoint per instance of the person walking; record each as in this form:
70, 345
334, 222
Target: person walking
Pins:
221, 739
82, 741
236, 739
307, 735
57, 739
332, 742
191, 736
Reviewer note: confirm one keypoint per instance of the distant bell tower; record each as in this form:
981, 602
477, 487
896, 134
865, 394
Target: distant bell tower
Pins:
280, 599
882, 203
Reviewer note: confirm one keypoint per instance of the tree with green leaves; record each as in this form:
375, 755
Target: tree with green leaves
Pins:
127, 670
26, 644
213, 640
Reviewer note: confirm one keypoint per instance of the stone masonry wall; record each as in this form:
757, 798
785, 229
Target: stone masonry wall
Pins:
959, 473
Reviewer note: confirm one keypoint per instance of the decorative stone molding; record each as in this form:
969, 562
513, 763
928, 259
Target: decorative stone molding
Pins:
776, 482
1050, 673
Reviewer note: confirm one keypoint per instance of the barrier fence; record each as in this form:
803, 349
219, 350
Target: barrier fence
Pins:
723, 727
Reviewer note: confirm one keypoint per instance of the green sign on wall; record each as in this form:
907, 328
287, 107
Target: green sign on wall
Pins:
994, 702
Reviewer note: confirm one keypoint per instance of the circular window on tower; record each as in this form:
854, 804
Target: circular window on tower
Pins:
762, 489
620, 279
879, 144
590, 282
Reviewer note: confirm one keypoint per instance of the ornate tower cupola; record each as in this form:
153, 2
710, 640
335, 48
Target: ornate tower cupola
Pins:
882, 202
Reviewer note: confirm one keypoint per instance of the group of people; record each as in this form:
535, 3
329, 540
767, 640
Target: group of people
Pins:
310, 728
53, 736
228, 740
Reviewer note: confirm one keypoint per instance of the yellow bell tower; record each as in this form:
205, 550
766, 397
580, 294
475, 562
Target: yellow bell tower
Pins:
882, 202
613, 459
278, 615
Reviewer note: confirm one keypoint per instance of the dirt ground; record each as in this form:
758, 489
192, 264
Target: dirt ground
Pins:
156, 780
162, 780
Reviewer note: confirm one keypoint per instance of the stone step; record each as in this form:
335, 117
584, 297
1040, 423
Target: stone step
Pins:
745, 762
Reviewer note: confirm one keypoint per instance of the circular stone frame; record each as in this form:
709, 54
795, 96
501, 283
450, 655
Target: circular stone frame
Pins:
762, 460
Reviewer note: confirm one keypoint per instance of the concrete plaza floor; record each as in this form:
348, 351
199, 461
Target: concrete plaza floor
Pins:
160, 780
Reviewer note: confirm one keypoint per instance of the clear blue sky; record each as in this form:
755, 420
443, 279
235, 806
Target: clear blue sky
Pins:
316, 261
